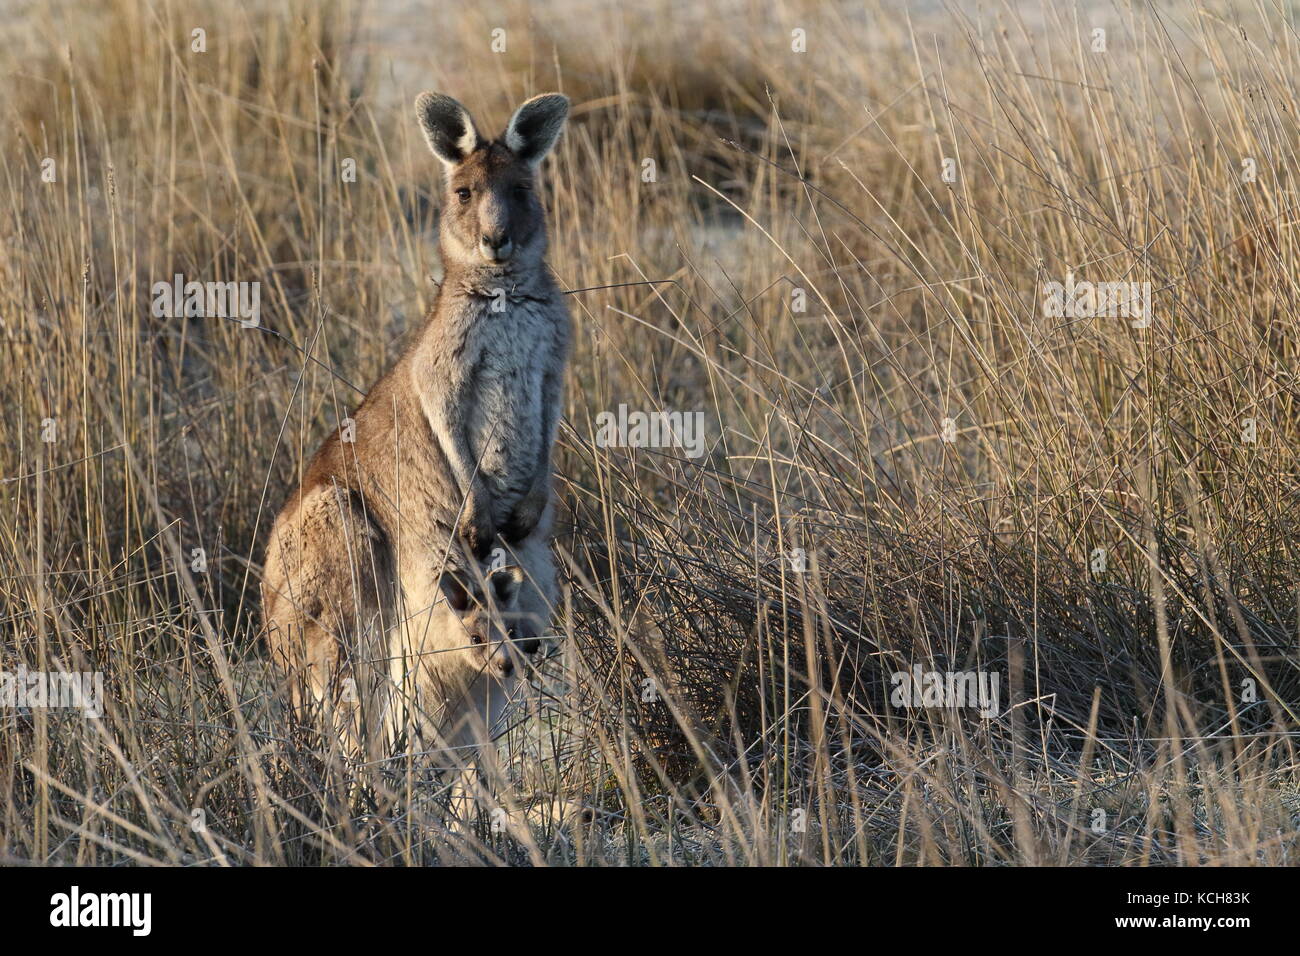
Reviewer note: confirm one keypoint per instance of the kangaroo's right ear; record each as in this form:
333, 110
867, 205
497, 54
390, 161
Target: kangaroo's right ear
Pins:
505, 584
448, 127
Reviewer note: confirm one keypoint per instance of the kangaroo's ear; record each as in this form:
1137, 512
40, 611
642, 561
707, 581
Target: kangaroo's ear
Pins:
536, 126
506, 583
448, 127
456, 591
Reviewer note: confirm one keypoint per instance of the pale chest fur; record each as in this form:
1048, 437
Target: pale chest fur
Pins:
508, 354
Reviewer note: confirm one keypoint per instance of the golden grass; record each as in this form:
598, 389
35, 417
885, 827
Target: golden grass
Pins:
783, 179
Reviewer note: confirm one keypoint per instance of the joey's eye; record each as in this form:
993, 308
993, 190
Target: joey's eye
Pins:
476, 638
463, 195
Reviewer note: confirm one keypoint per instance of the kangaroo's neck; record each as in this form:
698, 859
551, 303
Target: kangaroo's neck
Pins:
471, 294
509, 280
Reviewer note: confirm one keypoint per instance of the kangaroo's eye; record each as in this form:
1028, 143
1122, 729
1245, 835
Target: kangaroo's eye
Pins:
476, 638
521, 193
463, 195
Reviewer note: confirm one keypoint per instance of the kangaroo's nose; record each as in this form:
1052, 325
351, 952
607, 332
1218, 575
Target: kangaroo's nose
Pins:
530, 646
495, 245
504, 665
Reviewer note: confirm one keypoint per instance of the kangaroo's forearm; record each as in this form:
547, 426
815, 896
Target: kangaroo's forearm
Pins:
452, 439
539, 488
551, 386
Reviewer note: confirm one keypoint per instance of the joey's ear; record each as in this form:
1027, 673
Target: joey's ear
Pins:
536, 126
448, 127
456, 591
506, 583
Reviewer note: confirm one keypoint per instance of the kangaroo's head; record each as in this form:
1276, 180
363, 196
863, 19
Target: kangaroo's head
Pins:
489, 616
492, 218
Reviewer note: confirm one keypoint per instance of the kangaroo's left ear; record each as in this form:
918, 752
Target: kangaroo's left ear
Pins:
457, 591
536, 126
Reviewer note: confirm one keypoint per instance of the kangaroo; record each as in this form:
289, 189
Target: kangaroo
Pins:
441, 703
500, 340
373, 592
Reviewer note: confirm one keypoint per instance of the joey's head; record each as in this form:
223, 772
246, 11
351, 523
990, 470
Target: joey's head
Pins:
490, 619
492, 217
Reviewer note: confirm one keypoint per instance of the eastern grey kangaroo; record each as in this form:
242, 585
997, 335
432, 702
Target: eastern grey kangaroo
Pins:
375, 599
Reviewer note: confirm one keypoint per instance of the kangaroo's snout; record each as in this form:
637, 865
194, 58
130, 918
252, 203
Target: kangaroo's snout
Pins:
503, 664
496, 655
495, 247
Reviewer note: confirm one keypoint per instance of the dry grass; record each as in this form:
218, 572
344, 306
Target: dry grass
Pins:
777, 172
